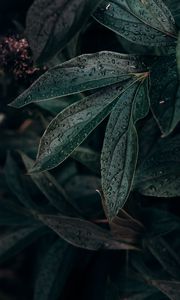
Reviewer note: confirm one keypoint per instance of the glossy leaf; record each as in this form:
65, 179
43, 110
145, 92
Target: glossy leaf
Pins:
82, 233
15, 241
147, 23
55, 266
71, 127
165, 94
120, 148
159, 173
50, 25
85, 72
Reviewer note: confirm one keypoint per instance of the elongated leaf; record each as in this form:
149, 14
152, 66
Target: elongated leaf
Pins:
159, 174
165, 94
54, 269
16, 183
169, 288
15, 241
178, 54
147, 23
50, 188
120, 148
50, 25
56, 105
85, 72
82, 233
71, 127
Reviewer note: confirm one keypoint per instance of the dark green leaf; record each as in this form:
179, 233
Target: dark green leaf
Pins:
54, 269
72, 126
143, 22
56, 105
159, 174
85, 72
50, 25
165, 94
174, 6
178, 54
120, 148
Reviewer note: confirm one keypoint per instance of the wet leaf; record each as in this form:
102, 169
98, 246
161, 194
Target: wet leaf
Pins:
72, 126
165, 94
85, 72
147, 23
82, 233
50, 25
159, 174
174, 6
55, 266
120, 148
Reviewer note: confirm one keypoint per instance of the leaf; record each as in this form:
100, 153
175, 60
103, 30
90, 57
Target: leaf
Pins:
85, 72
53, 271
56, 105
144, 22
16, 183
159, 173
50, 188
169, 288
72, 126
81, 233
120, 148
165, 94
50, 25
174, 6
178, 54
15, 241
87, 157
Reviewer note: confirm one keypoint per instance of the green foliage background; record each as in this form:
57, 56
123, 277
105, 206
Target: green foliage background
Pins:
89, 163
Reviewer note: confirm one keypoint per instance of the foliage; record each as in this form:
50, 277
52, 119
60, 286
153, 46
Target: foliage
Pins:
97, 200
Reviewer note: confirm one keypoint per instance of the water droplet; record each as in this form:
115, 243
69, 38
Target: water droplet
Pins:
108, 6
